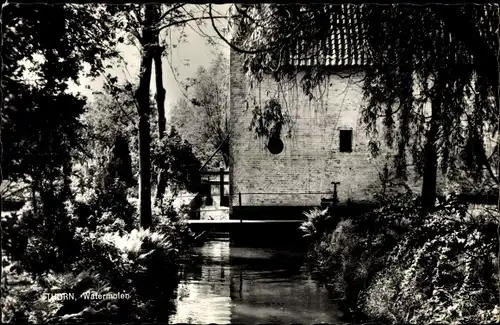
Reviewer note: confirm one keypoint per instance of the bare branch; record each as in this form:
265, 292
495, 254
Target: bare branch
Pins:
234, 47
178, 6
118, 103
177, 80
199, 31
216, 151
184, 21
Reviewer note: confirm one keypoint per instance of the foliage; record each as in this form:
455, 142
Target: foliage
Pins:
47, 240
74, 235
314, 226
143, 26
110, 117
431, 65
394, 265
13, 235
39, 57
176, 158
354, 250
204, 119
44, 240
445, 271
40, 131
269, 120
392, 186
139, 264
15, 286
116, 182
107, 259
110, 114
101, 195
170, 220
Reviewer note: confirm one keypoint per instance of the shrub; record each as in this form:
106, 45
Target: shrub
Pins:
139, 263
16, 289
41, 241
83, 245
444, 271
356, 248
347, 260
175, 157
14, 235
103, 189
395, 265
315, 225
170, 220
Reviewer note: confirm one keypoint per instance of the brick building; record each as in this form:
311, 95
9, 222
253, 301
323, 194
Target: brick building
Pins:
328, 143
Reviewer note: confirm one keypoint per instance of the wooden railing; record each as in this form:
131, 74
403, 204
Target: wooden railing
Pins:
221, 181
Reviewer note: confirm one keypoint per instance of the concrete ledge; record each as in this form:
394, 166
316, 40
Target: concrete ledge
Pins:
295, 212
235, 221
269, 212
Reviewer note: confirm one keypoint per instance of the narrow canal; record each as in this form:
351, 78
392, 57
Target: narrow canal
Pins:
227, 283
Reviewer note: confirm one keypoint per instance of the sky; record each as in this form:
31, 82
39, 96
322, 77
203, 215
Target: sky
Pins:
184, 57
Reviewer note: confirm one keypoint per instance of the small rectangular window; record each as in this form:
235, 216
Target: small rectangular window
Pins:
345, 140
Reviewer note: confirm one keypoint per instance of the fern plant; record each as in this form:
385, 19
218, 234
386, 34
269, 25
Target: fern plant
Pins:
314, 226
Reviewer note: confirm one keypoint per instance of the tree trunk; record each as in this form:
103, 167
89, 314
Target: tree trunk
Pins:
430, 161
160, 103
160, 90
142, 96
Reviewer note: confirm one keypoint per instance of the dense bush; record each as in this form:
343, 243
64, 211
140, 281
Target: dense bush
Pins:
446, 270
140, 264
41, 240
395, 265
171, 221
349, 253
15, 233
57, 252
175, 157
103, 188
16, 286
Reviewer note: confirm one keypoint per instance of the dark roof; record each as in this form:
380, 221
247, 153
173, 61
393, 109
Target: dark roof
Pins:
344, 47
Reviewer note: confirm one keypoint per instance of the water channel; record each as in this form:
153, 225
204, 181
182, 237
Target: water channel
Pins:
227, 283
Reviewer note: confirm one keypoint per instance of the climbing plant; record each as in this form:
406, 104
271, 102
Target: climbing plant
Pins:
268, 120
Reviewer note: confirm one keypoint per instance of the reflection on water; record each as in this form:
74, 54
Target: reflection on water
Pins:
245, 285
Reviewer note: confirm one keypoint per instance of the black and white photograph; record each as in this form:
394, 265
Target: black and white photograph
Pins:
239, 163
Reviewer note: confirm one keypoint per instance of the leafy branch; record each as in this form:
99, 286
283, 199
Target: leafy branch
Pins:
269, 120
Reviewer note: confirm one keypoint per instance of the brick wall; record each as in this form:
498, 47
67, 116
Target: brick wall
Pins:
311, 159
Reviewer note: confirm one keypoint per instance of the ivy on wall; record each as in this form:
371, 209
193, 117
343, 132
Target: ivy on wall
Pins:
268, 120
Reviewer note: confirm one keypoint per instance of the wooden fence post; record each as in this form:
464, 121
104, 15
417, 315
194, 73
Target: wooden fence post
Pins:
335, 196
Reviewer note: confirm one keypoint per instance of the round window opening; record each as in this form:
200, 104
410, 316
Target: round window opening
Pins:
275, 146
